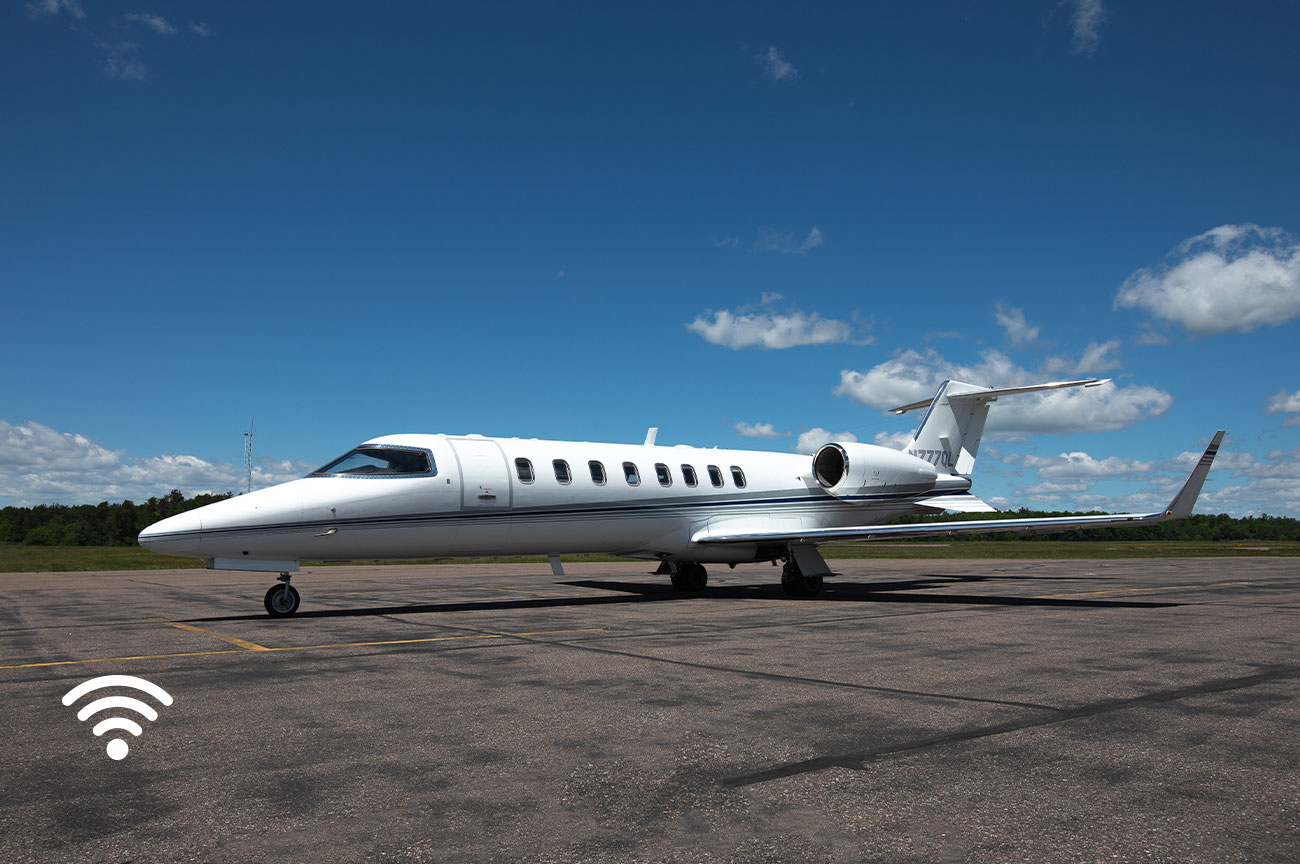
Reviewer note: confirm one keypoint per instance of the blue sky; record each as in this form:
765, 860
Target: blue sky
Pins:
577, 221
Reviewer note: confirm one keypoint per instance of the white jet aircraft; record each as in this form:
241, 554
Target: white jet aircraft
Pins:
433, 496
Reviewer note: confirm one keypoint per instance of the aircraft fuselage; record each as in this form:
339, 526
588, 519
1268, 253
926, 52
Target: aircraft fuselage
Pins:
516, 496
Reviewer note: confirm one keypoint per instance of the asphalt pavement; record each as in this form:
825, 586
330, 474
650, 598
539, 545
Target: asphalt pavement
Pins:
918, 711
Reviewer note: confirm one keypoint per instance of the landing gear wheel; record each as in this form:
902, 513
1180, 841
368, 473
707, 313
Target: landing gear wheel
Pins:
282, 600
690, 578
796, 584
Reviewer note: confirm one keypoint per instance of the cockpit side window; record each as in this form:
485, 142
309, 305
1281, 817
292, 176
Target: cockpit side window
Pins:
380, 462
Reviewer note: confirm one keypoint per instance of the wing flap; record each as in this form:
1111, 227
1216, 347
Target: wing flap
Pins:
960, 503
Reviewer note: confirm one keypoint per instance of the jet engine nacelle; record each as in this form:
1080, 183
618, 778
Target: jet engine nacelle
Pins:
850, 468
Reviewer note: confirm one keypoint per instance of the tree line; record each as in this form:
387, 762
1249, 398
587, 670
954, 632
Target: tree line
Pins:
100, 524
106, 524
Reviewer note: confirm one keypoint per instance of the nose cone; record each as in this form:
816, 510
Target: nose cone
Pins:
176, 535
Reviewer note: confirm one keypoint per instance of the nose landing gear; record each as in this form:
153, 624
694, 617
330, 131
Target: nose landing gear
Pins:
282, 600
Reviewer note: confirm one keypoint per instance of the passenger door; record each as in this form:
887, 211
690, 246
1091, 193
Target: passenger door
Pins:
485, 497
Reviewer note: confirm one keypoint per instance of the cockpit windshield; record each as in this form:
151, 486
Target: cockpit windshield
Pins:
380, 462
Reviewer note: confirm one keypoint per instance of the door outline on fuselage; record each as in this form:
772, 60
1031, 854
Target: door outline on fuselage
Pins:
471, 450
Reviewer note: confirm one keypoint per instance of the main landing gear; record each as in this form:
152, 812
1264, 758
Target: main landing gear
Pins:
282, 600
796, 583
690, 578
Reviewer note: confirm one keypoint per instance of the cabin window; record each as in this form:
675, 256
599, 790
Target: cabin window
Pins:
524, 468
663, 475
563, 475
597, 473
688, 476
380, 462
632, 475
715, 476
738, 476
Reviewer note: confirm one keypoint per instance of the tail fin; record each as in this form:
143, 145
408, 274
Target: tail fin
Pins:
950, 432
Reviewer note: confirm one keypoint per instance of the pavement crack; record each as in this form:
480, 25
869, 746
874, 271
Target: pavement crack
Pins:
855, 760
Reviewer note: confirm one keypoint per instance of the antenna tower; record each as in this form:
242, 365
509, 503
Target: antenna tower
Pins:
248, 457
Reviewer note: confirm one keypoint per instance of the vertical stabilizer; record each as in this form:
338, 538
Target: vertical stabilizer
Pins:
950, 432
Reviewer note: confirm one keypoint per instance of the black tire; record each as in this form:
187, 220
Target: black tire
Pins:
278, 605
690, 578
812, 586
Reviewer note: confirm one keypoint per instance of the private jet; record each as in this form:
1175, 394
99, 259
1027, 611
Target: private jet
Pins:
418, 496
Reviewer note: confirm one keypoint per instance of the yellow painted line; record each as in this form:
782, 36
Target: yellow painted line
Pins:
389, 642
300, 647
431, 639
1135, 590
116, 659
242, 643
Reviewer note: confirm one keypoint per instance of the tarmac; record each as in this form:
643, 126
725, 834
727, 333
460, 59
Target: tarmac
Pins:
918, 711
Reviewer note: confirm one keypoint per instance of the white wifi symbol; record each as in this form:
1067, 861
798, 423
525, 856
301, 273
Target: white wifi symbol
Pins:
117, 748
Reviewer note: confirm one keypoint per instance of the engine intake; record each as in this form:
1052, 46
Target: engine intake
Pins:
850, 467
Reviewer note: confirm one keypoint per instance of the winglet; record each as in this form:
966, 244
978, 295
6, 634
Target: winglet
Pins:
1185, 500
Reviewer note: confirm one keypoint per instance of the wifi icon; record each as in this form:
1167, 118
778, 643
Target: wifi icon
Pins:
117, 748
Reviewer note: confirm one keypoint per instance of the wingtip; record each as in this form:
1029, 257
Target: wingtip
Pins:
1185, 500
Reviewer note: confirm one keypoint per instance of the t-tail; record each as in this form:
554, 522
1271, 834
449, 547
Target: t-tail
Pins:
949, 435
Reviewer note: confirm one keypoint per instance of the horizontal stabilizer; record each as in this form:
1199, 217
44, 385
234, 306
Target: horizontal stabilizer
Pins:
986, 393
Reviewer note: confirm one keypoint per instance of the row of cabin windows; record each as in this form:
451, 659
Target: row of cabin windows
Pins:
564, 476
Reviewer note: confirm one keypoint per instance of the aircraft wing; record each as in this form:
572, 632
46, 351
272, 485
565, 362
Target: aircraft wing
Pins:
1179, 507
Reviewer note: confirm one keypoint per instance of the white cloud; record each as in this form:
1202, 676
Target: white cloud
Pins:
777, 67
1051, 490
768, 328
1086, 21
54, 7
124, 62
893, 440
1078, 466
786, 243
1284, 403
1096, 358
726, 242
1233, 278
811, 441
1240, 483
759, 430
156, 23
200, 29
1012, 320
33, 447
911, 376
39, 464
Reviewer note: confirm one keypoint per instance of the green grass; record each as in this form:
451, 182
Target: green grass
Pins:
44, 559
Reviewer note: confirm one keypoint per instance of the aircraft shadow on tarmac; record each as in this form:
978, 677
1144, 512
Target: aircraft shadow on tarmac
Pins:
879, 592
900, 591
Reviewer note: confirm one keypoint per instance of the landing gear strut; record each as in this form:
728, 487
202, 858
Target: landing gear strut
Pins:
282, 600
796, 584
690, 578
